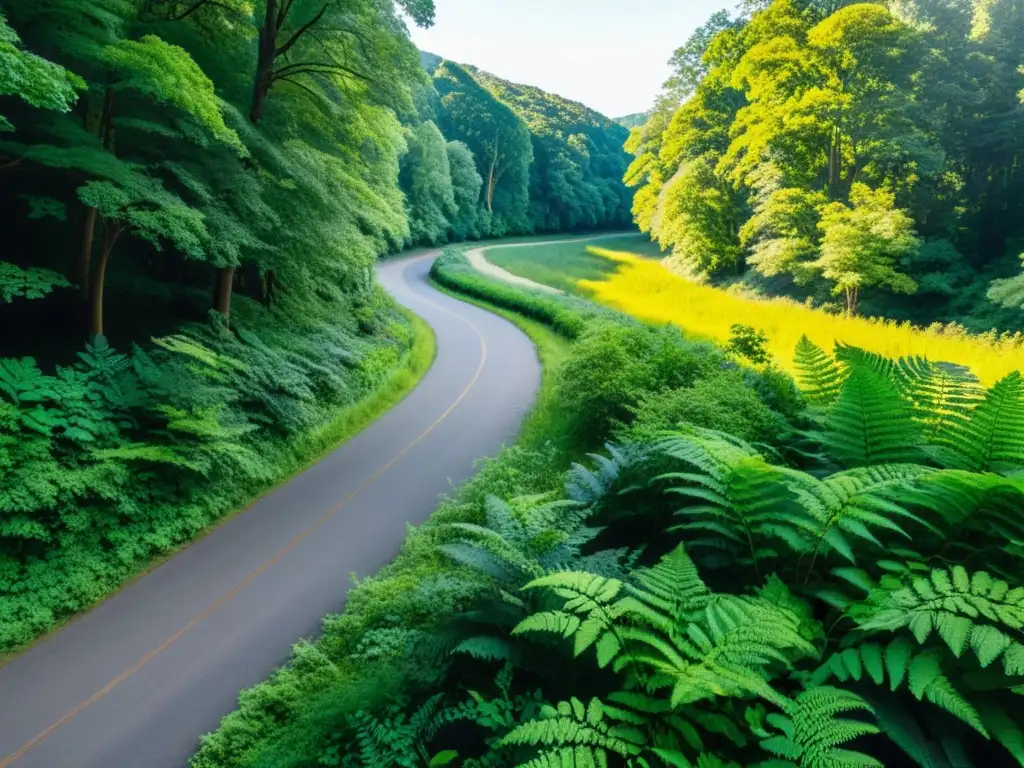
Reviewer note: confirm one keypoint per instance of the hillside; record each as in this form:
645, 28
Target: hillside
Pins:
579, 160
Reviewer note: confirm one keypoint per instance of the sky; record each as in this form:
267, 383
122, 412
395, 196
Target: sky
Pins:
612, 55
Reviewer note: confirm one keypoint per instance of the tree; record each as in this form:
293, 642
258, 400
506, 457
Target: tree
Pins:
699, 219
834, 105
350, 43
466, 186
784, 234
862, 243
426, 179
688, 63
499, 140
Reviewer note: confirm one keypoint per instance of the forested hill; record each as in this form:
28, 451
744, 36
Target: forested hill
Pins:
869, 154
632, 121
578, 156
546, 163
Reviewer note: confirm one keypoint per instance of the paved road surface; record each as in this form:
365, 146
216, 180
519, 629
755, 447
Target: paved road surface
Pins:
133, 683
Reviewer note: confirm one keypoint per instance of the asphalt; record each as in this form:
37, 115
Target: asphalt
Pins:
134, 682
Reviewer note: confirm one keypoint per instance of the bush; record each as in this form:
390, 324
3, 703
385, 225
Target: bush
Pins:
614, 366
721, 401
139, 453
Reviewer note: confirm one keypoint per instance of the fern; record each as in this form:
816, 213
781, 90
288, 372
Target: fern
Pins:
993, 438
967, 611
858, 503
870, 423
582, 734
741, 501
942, 396
820, 376
904, 665
592, 486
812, 735
672, 633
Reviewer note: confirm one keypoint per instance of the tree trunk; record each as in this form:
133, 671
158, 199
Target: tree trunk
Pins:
222, 294
99, 277
81, 275
852, 297
492, 181
266, 56
105, 131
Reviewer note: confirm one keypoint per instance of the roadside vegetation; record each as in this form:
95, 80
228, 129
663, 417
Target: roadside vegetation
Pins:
747, 571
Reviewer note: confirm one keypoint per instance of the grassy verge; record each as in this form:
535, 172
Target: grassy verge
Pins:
304, 451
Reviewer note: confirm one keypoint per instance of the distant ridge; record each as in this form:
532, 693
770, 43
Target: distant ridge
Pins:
632, 121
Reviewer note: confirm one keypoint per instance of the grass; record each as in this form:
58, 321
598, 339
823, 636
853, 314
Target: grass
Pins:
648, 291
629, 281
564, 265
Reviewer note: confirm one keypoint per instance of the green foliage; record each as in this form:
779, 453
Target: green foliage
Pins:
33, 79
862, 244
32, 283
846, 148
812, 734
748, 343
689, 599
167, 74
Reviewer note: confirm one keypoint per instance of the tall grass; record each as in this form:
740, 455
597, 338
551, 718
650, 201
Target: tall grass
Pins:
646, 290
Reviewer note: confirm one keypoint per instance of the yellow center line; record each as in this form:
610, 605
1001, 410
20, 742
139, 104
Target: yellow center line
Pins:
212, 608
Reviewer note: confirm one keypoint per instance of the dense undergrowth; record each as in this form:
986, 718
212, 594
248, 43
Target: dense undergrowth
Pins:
122, 457
743, 576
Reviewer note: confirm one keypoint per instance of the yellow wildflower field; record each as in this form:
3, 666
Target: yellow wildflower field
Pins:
647, 290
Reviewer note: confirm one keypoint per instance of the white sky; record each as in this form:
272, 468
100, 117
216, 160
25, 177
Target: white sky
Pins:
609, 54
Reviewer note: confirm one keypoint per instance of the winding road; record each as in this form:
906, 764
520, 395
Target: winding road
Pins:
134, 682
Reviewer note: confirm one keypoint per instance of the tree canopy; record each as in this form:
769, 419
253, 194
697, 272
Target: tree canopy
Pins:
773, 118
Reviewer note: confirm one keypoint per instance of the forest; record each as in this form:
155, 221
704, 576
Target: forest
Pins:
196, 194
866, 155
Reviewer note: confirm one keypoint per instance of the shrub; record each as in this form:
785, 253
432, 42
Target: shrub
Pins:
613, 366
722, 400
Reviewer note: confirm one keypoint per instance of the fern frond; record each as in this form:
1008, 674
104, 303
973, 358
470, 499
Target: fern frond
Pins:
992, 439
820, 376
811, 733
966, 610
942, 395
870, 423
738, 496
572, 725
920, 672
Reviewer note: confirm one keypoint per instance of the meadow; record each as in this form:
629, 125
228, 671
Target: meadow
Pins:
622, 274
